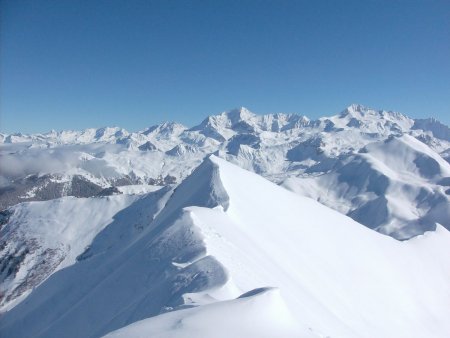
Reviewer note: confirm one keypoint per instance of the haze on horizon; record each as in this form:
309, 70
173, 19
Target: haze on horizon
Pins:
74, 65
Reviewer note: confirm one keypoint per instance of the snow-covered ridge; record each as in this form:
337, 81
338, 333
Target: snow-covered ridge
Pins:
220, 242
262, 313
433, 126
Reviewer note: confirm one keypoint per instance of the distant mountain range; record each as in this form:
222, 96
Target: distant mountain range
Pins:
383, 169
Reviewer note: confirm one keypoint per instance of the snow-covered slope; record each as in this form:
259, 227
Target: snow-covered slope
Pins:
225, 232
262, 314
40, 238
276, 146
398, 187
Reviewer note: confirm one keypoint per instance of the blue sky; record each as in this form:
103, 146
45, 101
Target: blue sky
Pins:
78, 64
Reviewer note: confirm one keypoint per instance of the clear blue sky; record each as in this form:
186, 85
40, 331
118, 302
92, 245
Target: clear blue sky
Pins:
78, 64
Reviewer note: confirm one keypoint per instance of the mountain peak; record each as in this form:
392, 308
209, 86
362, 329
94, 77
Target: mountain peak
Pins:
239, 114
203, 187
356, 107
372, 120
437, 129
358, 111
166, 128
223, 126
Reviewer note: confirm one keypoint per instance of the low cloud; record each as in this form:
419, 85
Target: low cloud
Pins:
37, 161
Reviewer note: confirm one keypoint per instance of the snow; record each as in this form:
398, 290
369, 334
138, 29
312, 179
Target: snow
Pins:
261, 314
64, 226
299, 227
224, 232
137, 189
392, 186
278, 146
433, 126
175, 260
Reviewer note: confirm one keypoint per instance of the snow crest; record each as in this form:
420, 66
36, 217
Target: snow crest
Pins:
226, 232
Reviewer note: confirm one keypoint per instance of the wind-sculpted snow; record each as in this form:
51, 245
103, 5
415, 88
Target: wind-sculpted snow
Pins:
149, 268
223, 233
262, 314
280, 147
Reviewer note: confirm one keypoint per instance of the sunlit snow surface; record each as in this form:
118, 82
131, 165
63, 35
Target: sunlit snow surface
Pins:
261, 314
224, 232
399, 187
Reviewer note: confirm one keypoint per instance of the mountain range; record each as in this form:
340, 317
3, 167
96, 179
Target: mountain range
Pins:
243, 226
360, 162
